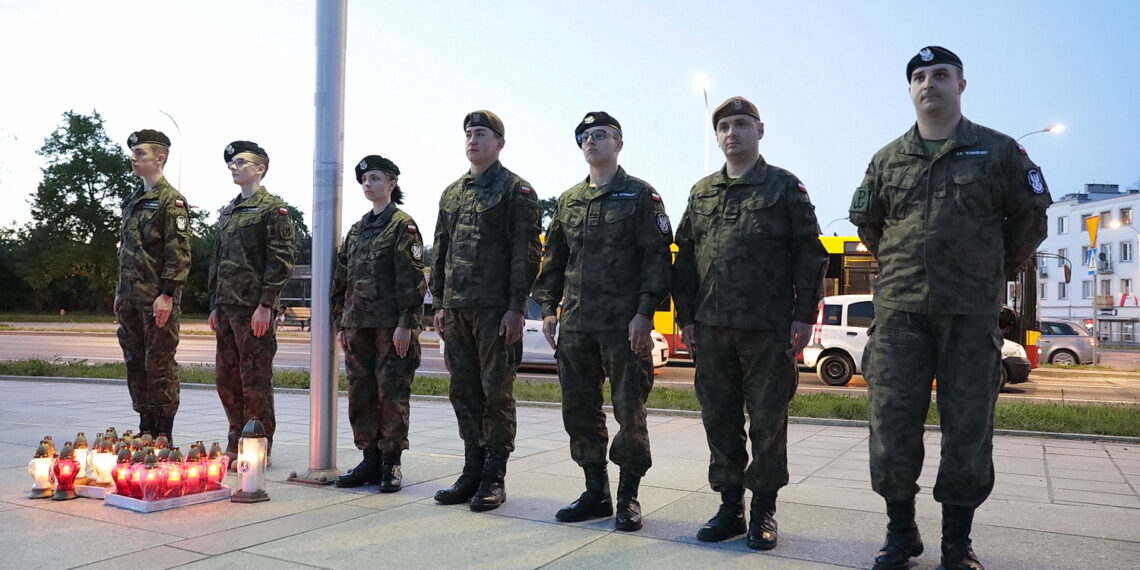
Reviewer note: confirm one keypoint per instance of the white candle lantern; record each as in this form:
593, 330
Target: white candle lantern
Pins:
253, 448
40, 469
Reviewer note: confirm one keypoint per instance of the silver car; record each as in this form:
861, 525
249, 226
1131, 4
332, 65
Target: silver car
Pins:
1065, 342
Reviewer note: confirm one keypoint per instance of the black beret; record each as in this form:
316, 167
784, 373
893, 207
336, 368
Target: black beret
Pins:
596, 119
237, 147
735, 106
931, 55
375, 162
148, 136
484, 119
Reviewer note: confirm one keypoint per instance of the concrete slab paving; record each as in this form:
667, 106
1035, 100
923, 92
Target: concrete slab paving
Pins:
1056, 503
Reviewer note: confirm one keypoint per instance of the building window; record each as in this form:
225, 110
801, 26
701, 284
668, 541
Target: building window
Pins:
1106, 287
1084, 255
1125, 251
1086, 289
1126, 216
1125, 286
1084, 222
1105, 219
1105, 252
1062, 290
1042, 288
1063, 224
1063, 254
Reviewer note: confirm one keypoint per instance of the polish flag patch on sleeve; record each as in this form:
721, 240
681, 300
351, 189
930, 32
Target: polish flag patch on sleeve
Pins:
1022, 150
525, 189
180, 203
656, 197
411, 229
802, 187
283, 211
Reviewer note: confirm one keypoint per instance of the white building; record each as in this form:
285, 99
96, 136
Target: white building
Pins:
1110, 293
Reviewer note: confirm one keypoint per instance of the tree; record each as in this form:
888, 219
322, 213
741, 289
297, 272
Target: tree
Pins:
71, 244
548, 206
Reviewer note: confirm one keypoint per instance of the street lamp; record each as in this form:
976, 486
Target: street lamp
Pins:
181, 141
701, 83
1056, 128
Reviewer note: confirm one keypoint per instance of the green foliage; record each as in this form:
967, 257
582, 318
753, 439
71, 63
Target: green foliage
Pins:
548, 206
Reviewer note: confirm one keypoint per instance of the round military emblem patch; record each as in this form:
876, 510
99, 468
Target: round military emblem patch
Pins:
737, 104
133, 139
1036, 182
589, 119
663, 224
363, 164
417, 251
926, 54
230, 149
181, 223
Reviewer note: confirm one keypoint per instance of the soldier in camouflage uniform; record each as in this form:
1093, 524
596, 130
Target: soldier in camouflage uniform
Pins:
607, 264
154, 261
377, 294
749, 269
485, 259
252, 261
949, 209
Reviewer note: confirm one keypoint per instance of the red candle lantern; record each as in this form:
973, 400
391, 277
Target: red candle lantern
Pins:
175, 480
195, 479
65, 471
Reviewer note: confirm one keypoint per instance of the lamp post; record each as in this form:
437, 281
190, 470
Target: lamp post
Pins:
180, 141
701, 83
1055, 128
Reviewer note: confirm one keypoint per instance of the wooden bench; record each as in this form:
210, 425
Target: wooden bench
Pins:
297, 316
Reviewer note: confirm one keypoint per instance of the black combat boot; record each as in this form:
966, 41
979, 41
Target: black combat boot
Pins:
729, 519
163, 425
146, 424
492, 491
391, 479
628, 509
366, 473
957, 550
595, 502
762, 523
903, 540
464, 488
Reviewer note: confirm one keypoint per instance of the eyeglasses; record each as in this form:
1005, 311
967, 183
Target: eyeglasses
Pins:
240, 162
597, 136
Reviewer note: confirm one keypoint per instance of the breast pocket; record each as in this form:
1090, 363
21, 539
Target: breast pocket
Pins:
971, 194
899, 194
250, 227
763, 216
571, 217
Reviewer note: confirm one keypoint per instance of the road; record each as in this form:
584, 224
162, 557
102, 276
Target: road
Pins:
293, 354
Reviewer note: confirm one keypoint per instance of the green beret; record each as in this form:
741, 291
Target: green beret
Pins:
484, 119
596, 119
375, 162
237, 147
735, 106
931, 55
148, 136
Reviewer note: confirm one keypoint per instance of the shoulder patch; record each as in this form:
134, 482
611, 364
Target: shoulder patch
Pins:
802, 188
284, 211
663, 224
181, 223
411, 228
417, 251
1036, 182
525, 189
1022, 150
180, 203
861, 202
656, 197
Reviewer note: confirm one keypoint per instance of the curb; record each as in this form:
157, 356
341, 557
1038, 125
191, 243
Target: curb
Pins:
833, 422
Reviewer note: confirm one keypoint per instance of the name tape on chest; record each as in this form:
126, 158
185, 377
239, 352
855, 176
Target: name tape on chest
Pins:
623, 195
149, 204
244, 210
972, 153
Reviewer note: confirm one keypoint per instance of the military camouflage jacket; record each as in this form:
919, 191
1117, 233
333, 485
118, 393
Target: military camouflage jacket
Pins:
486, 249
253, 254
154, 245
607, 255
379, 279
749, 254
947, 230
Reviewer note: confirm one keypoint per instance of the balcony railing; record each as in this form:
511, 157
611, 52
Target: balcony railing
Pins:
1104, 267
1104, 302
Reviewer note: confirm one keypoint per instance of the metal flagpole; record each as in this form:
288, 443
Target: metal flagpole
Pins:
328, 160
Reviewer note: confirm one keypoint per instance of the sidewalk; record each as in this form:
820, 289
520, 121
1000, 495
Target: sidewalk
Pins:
1057, 504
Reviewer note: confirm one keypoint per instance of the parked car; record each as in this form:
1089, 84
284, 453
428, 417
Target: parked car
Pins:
537, 352
840, 335
1066, 342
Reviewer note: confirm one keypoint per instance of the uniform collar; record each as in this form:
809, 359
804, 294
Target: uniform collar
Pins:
487, 177
755, 175
159, 185
382, 219
617, 184
254, 199
965, 134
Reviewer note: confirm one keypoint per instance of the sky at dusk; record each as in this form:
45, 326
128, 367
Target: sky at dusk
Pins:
828, 78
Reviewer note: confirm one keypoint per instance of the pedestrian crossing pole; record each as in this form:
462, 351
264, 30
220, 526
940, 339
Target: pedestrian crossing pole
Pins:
1092, 224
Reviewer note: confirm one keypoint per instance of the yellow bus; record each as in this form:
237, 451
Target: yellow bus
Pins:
851, 270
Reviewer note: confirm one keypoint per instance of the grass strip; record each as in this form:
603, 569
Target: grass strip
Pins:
1097, 419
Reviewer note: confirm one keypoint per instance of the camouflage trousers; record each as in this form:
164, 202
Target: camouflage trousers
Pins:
753, 368
379, 387
904, 353
244, 368
148, 350
584, 361
482, 370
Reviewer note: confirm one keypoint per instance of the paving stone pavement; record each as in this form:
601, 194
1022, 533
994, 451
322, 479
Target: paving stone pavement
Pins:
1057, 503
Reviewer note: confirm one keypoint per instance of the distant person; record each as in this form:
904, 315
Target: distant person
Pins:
747, 282
377, 296
484, 262
607, 266
251, 263
154, 261
950, 210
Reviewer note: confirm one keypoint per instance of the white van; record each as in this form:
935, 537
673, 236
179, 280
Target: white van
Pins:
840, 335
